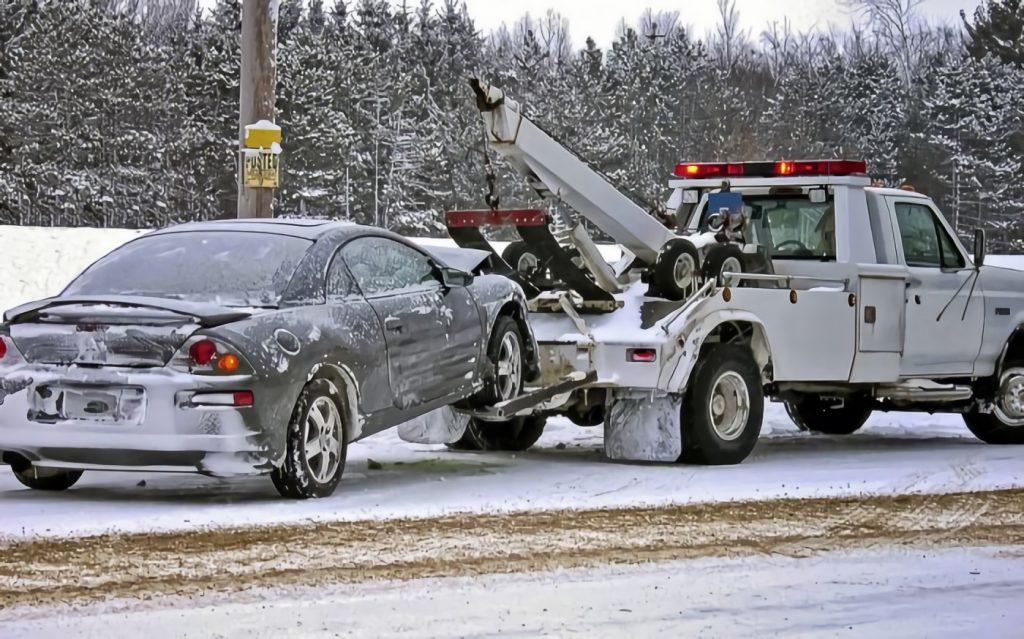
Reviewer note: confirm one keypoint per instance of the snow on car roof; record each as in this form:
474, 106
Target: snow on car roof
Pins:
297, 227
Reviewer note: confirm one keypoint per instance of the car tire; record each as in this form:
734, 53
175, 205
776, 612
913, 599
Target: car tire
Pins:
723, 407
677, 269
506, 363
723, 258
514, 435
48, 479
522, 260
316, 444
814, 414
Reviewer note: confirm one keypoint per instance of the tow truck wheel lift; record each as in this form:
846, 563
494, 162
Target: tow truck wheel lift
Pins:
654, 340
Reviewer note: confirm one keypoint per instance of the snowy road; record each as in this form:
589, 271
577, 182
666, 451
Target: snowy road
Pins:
875, 593
896, 453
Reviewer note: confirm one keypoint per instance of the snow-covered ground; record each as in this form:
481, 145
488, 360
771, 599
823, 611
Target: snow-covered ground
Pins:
873, 593
894, 453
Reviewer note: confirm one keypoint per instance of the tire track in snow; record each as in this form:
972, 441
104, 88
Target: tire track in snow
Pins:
78, 570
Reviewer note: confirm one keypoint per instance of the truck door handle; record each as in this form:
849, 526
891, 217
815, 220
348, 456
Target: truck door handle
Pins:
393, 324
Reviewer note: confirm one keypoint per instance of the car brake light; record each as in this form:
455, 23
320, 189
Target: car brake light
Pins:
203, 352
642, 355
3, 348
243, 398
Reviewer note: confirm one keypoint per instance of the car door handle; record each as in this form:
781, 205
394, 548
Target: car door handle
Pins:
393, 324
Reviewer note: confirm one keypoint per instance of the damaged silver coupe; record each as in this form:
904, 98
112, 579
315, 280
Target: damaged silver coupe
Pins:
252, 347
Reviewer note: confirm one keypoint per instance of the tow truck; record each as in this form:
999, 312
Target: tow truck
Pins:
792, 281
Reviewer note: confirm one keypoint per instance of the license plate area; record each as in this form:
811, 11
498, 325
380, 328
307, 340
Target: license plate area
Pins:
121, 405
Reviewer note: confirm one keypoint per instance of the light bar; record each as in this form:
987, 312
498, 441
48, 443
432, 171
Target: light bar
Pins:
520, 217
801, 168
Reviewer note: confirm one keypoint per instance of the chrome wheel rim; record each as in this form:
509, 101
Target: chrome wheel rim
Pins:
729, 405
510, 367
683, 271
731, 265
322, 433
1009, 405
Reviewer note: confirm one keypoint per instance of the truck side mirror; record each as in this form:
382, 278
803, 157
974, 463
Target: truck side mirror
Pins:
979, 248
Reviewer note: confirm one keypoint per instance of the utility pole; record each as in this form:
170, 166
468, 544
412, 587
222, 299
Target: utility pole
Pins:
257, 92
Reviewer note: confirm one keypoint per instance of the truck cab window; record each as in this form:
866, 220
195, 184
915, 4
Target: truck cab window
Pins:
792, 227
925, 241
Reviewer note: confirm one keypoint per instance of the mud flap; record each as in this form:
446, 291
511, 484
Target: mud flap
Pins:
643, 426
441, 426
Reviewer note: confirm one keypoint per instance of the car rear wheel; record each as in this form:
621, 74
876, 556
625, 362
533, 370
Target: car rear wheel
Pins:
829, 416
723, 407
49, 479
317, 445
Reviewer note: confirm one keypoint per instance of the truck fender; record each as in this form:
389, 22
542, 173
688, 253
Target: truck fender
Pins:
697, 332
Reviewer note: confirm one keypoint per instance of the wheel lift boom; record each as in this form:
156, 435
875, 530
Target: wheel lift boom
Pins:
555, 172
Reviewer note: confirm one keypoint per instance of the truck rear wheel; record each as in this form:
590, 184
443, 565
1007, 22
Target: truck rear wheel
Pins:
823, 415
1005, 424
514, 435
723, 408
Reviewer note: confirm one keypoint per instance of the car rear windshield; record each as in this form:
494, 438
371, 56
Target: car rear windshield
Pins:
229, 268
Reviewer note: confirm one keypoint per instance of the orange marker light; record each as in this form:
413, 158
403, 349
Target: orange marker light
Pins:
228, 363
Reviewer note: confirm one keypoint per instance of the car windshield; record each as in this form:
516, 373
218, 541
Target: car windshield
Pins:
229, 268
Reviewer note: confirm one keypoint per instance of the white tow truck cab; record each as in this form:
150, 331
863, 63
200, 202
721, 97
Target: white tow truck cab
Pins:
794, 281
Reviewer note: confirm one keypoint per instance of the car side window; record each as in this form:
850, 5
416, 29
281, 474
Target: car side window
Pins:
339, 280
925, 241
381, 266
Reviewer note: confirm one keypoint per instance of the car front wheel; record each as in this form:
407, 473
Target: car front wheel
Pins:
317, 445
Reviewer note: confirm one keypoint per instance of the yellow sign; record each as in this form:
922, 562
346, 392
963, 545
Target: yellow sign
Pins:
261, 169
262, 135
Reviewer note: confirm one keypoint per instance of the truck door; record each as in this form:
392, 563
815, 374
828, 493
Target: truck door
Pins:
944, 320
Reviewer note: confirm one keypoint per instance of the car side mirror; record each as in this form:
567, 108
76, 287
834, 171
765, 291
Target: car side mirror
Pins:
452, 277
979, 248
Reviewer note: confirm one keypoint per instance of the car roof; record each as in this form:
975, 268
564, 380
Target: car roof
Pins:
295, 227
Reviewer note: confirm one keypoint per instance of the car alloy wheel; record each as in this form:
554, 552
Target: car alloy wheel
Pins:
509, 367
322, 436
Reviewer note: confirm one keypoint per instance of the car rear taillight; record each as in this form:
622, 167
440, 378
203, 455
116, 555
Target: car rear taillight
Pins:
203, 352
3, 347
209, 356
642, 355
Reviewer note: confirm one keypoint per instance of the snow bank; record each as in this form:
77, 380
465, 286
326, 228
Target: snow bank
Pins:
40, 261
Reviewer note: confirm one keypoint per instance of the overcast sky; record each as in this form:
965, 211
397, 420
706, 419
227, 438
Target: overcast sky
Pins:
599, 18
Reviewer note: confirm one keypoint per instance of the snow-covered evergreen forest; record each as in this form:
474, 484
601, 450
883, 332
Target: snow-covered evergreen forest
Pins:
124, 112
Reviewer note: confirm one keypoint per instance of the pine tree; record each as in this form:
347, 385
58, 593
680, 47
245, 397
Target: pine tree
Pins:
997, 29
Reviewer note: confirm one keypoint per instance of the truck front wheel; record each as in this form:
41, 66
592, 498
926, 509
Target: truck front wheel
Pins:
829, 416
723, 408
1005, 424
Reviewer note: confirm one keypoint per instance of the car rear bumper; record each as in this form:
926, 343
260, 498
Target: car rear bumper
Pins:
168, 432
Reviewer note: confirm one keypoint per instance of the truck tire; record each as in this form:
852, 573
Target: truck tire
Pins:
48, 479
723, 258
818, 415
677, 269
723, 407
317, 445
514, 435
1005, 424
522, 260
